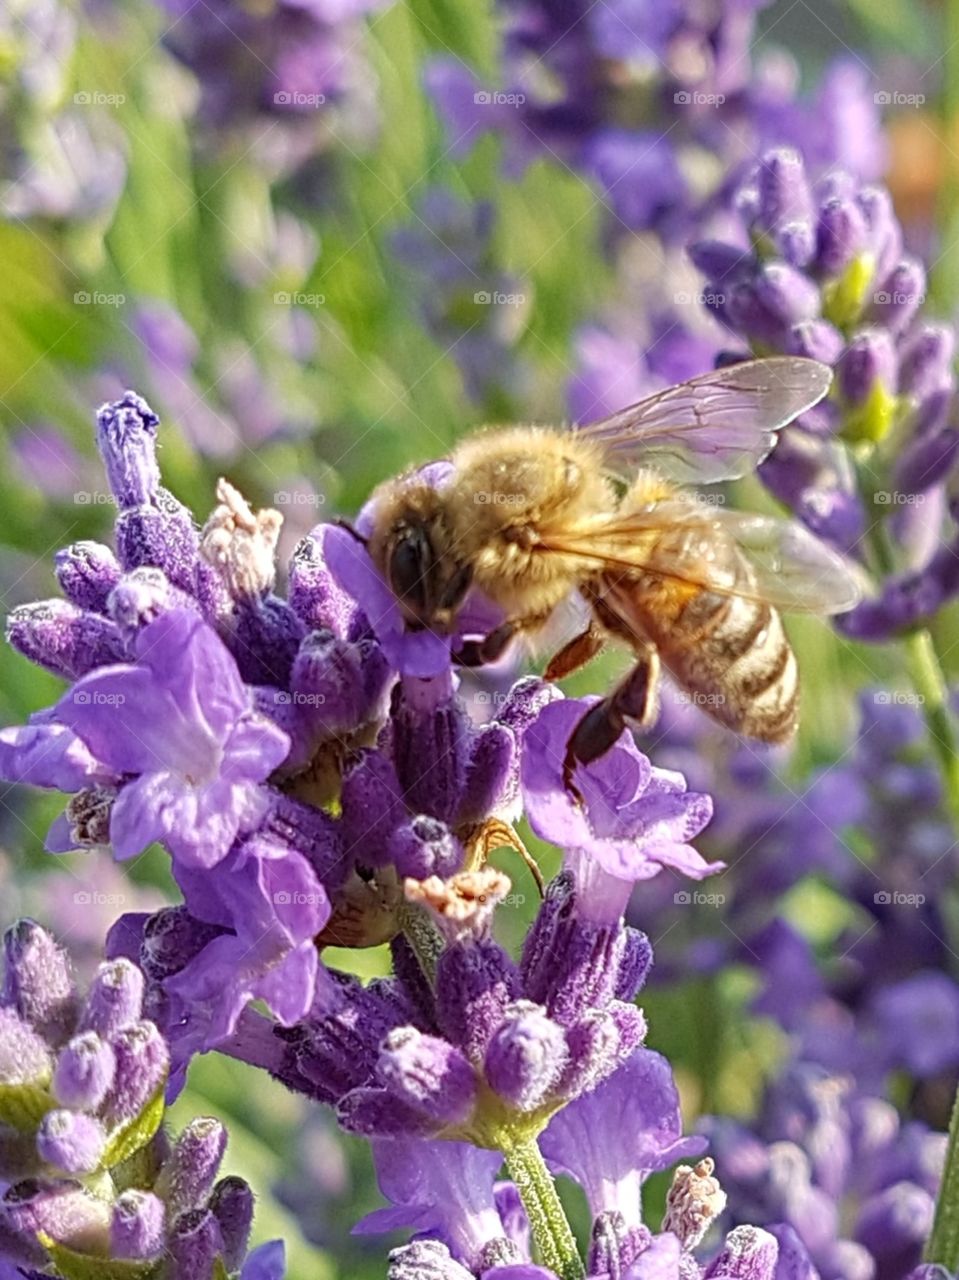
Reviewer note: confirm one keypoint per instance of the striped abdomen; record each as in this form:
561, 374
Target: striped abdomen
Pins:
728, 652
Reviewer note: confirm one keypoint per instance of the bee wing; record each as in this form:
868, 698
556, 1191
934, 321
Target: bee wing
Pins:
792, 569
716, 427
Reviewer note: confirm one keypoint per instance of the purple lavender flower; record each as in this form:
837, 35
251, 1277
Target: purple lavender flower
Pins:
633, 819
83, 1088
819, 1144
826, 276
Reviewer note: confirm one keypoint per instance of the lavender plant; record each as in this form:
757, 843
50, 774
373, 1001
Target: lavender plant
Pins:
93, 1183
315, 779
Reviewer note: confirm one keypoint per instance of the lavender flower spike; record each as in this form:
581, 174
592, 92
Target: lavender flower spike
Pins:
153, 1198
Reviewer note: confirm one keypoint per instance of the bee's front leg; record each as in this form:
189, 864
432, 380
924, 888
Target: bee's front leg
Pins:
634, 700
477, 653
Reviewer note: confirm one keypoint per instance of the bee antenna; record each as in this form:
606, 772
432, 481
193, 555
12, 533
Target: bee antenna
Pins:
342, 523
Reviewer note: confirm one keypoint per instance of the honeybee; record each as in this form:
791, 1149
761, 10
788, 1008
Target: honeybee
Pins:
532, 515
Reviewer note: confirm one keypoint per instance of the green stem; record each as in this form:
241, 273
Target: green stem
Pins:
930, 685
424, 938
551, 1231
943, 1243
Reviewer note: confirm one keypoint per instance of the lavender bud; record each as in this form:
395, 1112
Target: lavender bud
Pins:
840, 235
501, 1252
84, 1072
717, 260
232, 1205
926, 361
424, 846
430, 746
61, 638
191, 1168
635, 962
194, 1245
526, 1056
126, 437
115, 999
38, 981
796, 242
749, 1253
870, 358
492, 775
314, 594
63, 1210
428, 1074
342, 682
140, 597
372, 806
883, 234
87, 572
475, 983
425, 1260
24, 1056
815, 339
137, 1225
142, 1062
693, 1202
784, 195
901, 295
787, 294
71, 1140
614, 1246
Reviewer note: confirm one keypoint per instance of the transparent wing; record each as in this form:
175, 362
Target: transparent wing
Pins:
716, 427
683, 540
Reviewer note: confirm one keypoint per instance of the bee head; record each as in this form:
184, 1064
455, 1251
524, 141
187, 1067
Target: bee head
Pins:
416, 555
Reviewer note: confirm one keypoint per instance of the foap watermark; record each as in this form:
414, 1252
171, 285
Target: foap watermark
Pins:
494, 298
491, 498
695, 98
293, 98
893, 98
95, 898
697, 698
297, 298
95, 98
297, 699
697, 898
298, 498
97, 698
85, 498
96, 298
513, 900
490, 698
709, 299
897, 698
895, 898
283, 898
897, 298
498, 98
890, 498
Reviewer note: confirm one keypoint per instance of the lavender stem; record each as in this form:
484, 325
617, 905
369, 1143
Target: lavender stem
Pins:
551, 1231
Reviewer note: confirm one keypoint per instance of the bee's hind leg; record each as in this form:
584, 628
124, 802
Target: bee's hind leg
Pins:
634, 700
575, 654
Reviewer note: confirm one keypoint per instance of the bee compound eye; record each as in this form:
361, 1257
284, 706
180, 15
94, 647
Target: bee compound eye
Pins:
410, 569
457, 587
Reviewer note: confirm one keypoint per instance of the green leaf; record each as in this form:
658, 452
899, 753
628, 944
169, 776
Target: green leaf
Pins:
85, 1266
23, 1106
136, 1133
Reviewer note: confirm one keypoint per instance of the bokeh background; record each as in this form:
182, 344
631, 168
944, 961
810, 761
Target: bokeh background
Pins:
327, 237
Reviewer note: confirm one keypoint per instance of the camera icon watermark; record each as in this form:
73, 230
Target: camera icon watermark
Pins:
496, 98
94, 98
897, 698
298, 498
696, 898
96, 298
297, 298
894, 898
887, 98
694, 98
890, 498
293, 98
296, 699
494, 298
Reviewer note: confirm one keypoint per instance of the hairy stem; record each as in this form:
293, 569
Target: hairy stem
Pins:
551, 1231
930, 685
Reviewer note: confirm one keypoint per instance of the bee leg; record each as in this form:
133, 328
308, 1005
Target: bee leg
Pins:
634, 699
477, 653
580, 650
